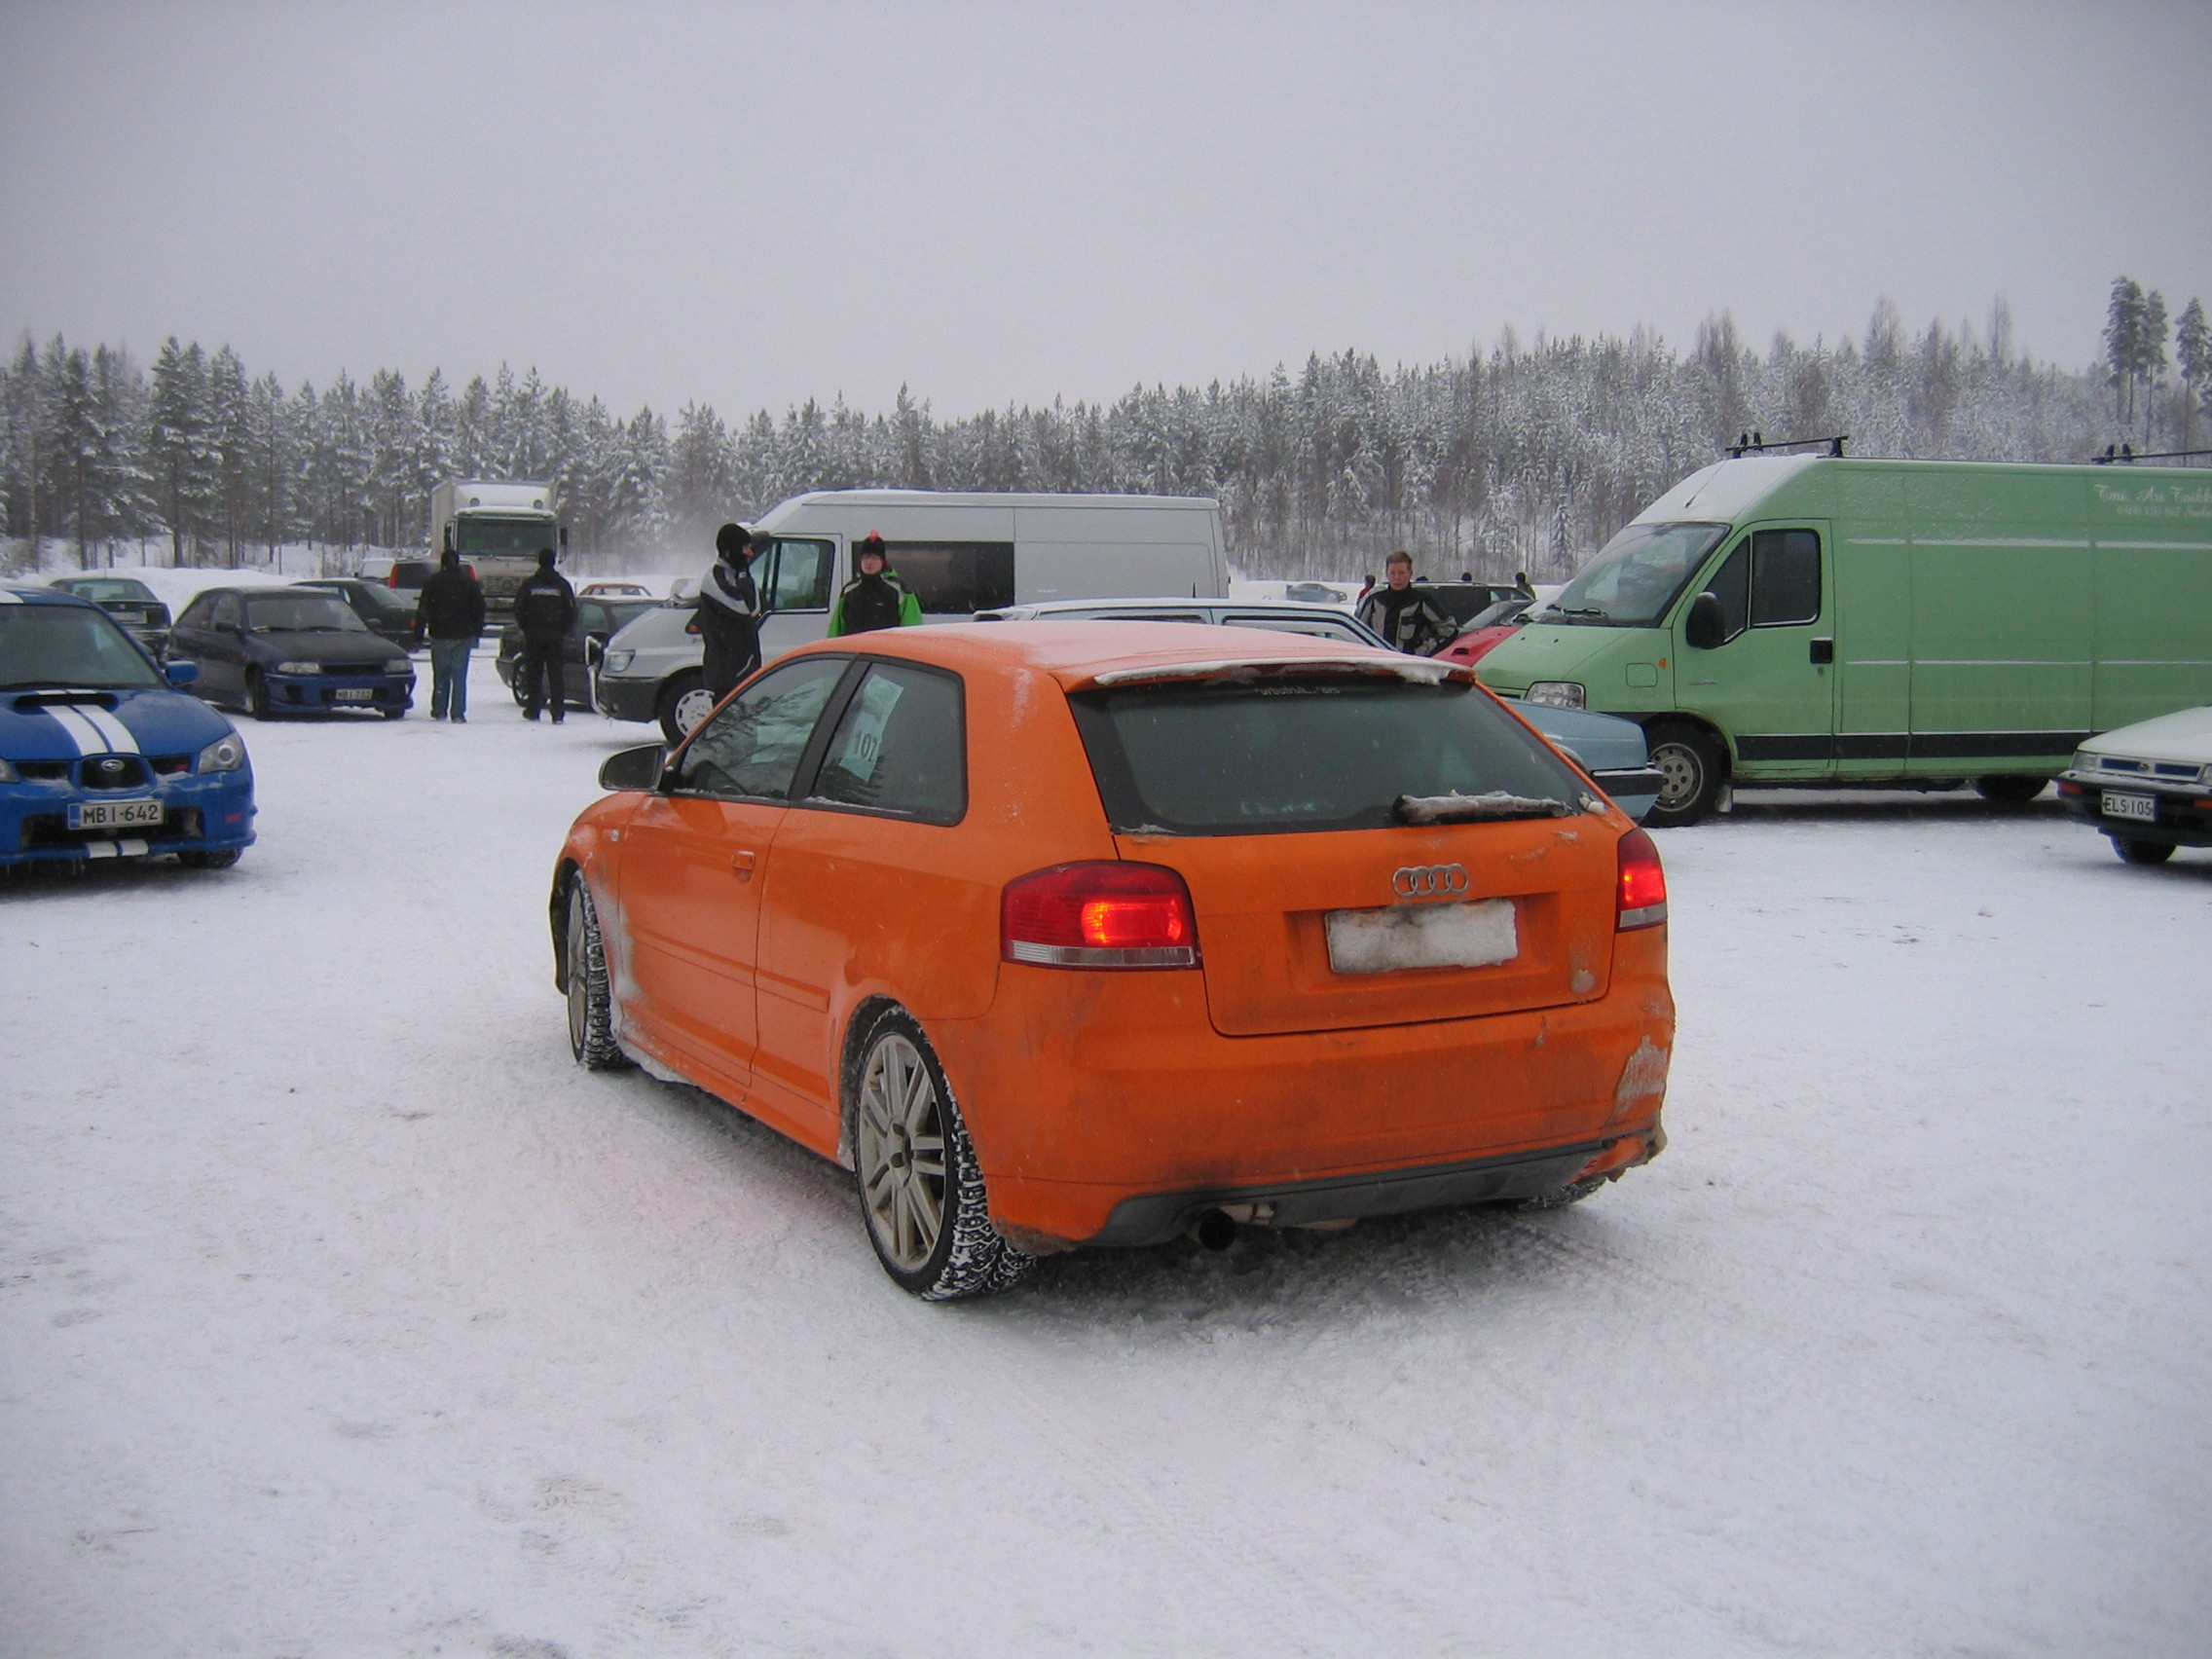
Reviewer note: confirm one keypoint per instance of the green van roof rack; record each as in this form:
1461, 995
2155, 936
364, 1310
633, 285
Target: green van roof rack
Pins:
1754, 443
2127, 454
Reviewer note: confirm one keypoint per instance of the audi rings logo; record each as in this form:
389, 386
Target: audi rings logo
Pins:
1429, 881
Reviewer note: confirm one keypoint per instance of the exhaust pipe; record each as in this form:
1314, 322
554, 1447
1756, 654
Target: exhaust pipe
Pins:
1213, 1231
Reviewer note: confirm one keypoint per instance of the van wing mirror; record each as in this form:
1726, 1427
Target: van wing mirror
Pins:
635, 768
1706, 627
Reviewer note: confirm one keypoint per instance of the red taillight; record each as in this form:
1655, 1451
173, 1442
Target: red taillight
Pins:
1642, 884
392, 580
1099, 915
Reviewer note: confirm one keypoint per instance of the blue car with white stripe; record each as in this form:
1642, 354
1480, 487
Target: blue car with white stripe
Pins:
100, 757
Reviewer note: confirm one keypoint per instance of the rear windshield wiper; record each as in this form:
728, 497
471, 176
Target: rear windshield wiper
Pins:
1497, 806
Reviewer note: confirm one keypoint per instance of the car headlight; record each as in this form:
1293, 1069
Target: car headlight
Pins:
400, 667
225, 755
616, 662
2084, 761
299, 668
1557, 694
7, 774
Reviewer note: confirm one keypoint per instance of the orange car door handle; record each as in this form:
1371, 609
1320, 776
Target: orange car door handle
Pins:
741, 862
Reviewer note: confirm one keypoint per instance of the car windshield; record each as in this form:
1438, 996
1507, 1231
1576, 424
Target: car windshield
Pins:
499, 539
110, 591
1498, 615
1325, 752
300, 613
384, 598
1632, 582
68, 644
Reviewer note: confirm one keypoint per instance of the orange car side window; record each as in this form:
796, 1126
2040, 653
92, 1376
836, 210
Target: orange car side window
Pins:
751, 748
900, 748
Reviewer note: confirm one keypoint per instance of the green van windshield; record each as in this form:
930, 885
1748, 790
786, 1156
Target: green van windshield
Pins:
1635, 579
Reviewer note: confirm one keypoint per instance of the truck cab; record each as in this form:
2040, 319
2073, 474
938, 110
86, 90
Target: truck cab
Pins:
498, 529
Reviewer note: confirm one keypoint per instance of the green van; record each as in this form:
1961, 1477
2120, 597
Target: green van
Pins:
1805, 619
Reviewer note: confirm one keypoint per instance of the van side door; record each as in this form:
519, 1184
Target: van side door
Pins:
1770, 683
797, 578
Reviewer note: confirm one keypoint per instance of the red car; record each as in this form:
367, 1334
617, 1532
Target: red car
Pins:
1488, 630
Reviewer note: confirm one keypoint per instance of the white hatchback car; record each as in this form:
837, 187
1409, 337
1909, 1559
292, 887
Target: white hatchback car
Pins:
2148, 786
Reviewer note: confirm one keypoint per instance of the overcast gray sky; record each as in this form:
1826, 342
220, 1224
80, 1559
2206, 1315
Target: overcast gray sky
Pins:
750, 206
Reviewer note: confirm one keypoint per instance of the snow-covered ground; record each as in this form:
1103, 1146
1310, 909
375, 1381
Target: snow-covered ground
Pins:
343, 1316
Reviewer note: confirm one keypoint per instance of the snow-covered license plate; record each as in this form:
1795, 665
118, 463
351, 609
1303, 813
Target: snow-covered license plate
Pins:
2143, 809
1477, 935
113, 814
355, 694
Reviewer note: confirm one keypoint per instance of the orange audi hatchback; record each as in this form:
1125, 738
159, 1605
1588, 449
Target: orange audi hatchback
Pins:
1065, 933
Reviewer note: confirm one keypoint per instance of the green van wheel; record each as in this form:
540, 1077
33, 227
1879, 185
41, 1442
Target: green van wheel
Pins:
1692, 768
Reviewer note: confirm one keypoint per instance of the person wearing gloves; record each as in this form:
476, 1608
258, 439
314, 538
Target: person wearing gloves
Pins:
546, 608
875, 598
729, 610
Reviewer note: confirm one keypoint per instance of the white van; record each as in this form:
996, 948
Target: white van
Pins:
959, 554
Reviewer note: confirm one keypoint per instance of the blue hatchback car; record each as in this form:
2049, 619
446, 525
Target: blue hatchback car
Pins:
100, 758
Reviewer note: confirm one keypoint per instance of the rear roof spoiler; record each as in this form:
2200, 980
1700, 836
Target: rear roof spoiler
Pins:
1418, 671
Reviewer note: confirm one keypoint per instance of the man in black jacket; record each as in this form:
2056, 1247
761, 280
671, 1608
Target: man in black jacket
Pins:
450, 612
729, 610
545, 608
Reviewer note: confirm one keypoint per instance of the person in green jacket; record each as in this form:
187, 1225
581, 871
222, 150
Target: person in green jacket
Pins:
875, 598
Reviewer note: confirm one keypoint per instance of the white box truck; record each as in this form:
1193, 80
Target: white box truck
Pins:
960, 553
498, 529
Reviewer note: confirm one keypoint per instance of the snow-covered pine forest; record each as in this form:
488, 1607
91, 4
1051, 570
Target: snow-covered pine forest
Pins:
1526, 458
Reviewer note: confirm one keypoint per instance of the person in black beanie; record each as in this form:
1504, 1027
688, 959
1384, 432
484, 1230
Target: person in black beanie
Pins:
875, 598
729, 610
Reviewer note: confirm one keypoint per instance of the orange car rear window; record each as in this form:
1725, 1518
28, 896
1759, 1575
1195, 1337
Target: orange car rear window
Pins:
1317, 754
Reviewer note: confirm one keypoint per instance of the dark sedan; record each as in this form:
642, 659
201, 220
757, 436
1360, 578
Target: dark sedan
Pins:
288, 651
597, 620
130, 601
388, 612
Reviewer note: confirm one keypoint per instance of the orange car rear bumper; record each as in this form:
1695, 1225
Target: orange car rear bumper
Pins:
1104, 1106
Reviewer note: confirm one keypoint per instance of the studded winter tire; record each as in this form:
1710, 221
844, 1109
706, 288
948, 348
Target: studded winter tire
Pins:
591, 1005
921, 1193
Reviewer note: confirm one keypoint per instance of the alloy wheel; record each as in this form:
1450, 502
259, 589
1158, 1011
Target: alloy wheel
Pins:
900, 1147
